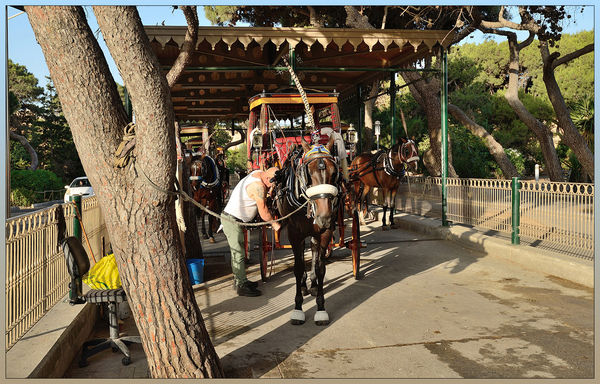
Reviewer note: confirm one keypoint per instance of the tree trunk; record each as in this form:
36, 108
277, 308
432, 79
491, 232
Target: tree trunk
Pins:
426, 94
496, 150
571, 136
542, 133
139, 218
32, 154
369, 106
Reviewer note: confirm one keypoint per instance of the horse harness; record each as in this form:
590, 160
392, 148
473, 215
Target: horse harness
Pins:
385, 156
295, 179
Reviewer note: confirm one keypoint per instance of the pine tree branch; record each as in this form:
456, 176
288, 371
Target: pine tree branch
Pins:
573, 55
189, 44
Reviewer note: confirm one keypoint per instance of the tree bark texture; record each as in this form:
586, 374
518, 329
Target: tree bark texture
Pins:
426, 94
140, 219
496, 149
542, 133
32, 154
571, 136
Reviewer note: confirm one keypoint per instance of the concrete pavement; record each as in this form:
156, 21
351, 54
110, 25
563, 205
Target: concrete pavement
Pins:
425, 308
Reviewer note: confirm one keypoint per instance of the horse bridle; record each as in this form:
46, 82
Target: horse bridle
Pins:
204, 183
319, 191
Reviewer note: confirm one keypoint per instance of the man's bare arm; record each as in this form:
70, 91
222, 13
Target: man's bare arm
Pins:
258, 192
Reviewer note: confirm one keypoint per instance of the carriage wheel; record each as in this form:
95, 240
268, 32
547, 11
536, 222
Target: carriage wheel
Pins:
355, 245
264, 253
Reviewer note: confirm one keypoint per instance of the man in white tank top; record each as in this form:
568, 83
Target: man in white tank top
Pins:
247, 199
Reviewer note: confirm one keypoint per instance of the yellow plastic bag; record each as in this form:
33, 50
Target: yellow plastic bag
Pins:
104, 274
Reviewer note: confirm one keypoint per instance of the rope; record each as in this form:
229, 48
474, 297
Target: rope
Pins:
190, 199
311, 121
124, 153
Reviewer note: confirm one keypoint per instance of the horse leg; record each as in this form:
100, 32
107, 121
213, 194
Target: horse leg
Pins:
298, 316
303, 286
211, 221
315, 247
359, 203
393, 207
366, 212
385, 208
204, 236
321, 316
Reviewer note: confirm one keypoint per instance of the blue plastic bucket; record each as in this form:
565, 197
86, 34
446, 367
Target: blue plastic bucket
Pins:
196, 270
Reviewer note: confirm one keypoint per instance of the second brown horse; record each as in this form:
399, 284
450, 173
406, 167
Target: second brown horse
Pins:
384, 170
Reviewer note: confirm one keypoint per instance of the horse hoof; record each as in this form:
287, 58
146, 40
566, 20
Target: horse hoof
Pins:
321, 318
205, 237
298, 317
304, 291
313, 291
212, 240
384, 228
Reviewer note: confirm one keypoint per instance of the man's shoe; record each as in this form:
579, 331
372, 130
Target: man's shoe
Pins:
248, 290
253, 284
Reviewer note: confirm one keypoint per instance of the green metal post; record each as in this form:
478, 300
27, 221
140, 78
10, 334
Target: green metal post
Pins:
128, 108
516, 211
444, 154
393, 106
361, 116
292, 60
76, 223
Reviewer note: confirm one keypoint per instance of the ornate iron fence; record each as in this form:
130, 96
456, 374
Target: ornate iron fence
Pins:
559, 216
559, 213
36, 273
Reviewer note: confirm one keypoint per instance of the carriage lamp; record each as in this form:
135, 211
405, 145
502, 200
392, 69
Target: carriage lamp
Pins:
257, 139
351, 135
377, 131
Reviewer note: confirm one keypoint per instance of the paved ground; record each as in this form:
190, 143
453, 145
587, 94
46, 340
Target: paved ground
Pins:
425, 308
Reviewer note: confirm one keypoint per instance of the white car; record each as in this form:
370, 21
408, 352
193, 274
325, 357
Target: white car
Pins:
79, 186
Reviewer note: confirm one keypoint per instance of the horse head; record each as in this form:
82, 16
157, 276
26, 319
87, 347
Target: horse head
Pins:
321, 176
408, 154
204, 172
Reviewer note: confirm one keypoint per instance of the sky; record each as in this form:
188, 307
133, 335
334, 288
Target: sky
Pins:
23, 48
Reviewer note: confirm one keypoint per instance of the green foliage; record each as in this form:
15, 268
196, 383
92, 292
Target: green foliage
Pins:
25, 183
23, 85
470, 156
221, 137
517, 159
36, 114
236, 158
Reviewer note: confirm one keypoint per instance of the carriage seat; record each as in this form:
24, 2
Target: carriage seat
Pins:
78, 265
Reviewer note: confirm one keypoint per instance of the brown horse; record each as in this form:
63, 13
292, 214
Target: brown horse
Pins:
207, 187
315, 175
384, 170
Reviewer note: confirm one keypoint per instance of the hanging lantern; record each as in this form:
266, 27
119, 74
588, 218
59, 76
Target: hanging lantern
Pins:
257, 139
352, 135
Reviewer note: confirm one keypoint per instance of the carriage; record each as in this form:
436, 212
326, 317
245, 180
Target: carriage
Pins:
276, 126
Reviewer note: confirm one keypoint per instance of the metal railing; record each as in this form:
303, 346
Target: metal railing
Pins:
36, 272
553, 215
